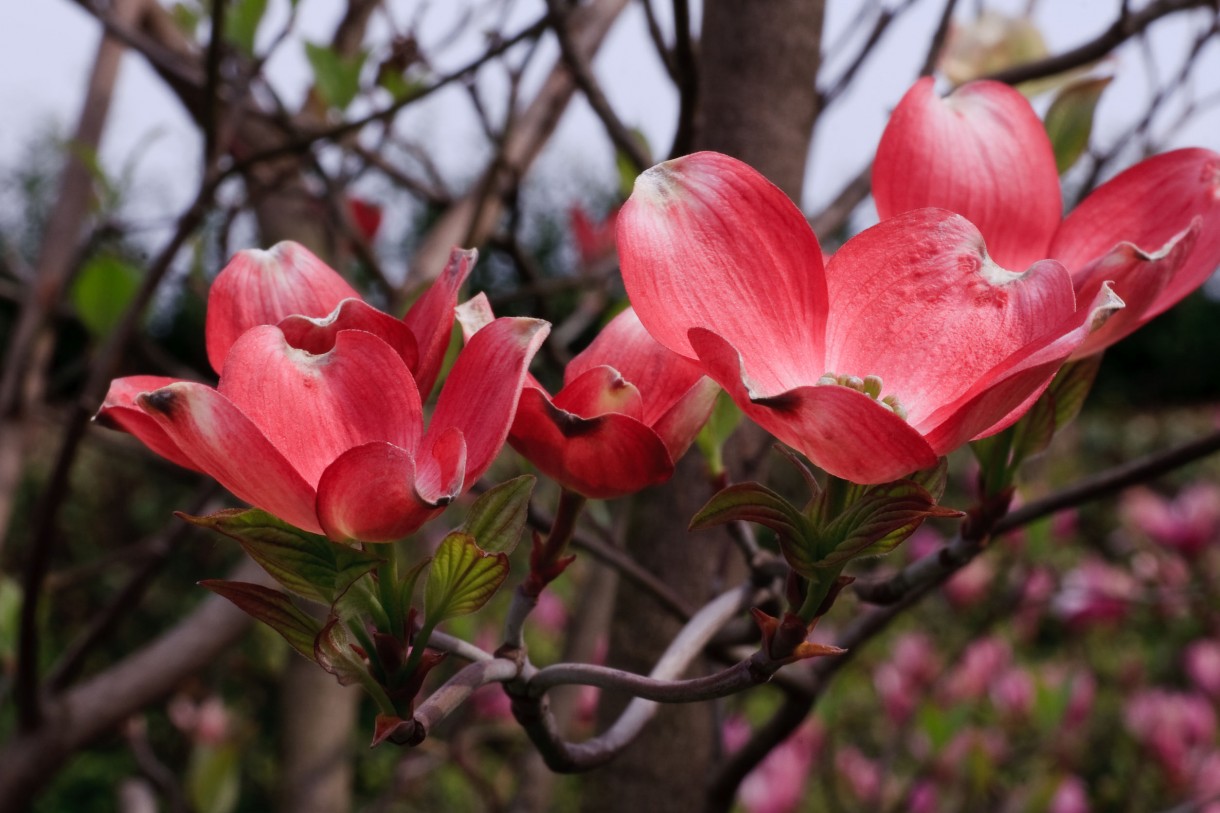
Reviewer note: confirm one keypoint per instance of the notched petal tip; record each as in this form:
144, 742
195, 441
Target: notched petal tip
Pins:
1105, 305
164, 401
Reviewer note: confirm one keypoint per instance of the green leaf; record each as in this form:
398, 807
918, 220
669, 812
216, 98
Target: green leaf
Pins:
103, 290
1069, 121
213, 778
753, 502
186, 17
10, 616
626, 169
336, 78
934, 479
462, 578
498, 517
1034, 431
1070, 387
273, 608
309, 565
332, 649
241, 23
719, 428
877, 522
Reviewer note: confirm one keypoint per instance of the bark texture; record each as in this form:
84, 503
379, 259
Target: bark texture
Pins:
758, 102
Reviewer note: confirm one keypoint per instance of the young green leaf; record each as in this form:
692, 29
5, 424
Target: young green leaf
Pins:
1069, 121
753, 502
273, 608
719, 427
462, 578
241, 23
307, 564
877, 522
336, 78
498, 517
102, 291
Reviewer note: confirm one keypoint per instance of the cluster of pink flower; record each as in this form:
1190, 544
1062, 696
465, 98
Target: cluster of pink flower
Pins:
912, 340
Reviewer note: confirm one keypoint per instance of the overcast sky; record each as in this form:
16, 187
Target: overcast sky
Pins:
47, 47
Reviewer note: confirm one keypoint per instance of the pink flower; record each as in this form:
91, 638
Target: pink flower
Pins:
1095, 592
318, 416
862, 775
1179, 729
778, 783
1188, 523
628, 410
982, 152
1072, 796
909, 343
1013, 693
594, 241
1202, 661
980, 663
903, 679
207, 722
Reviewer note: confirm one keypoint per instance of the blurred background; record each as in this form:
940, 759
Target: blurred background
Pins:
1074, 667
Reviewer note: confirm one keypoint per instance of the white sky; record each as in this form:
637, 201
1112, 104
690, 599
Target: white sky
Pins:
47, 47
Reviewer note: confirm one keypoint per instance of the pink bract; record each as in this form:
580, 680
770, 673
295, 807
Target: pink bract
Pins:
906, 345
1153, 230
318, 416
628, 410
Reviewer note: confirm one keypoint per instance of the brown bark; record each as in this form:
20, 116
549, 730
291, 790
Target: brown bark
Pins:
758, 102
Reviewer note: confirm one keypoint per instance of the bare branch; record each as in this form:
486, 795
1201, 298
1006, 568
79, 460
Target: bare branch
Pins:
624, 140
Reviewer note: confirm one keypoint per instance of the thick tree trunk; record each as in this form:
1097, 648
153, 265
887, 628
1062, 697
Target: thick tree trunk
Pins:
758, 102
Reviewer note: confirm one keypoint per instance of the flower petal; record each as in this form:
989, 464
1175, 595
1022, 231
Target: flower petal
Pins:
707, 242
368, 494
1137, 277
314, 408
439, 478
602, 457
262, 287
916, 301
598, 391
678, 427
661, 376
1002, 396
430, 319
1147, 205
213, 433
480, 394
119, 411
843, 431
317, 335
981, 152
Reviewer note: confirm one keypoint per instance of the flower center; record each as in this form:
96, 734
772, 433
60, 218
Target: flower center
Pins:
870, 385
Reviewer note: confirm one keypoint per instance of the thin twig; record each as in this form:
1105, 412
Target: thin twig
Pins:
624, 140
566, 757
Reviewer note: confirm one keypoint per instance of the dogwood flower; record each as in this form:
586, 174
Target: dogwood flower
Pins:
1154, 230
908, 343
318, 415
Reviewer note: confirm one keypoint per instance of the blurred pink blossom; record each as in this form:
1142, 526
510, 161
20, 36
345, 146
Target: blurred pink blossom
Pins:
206, 722
1072, 796
777, 784
971, 584
923, 798
862, 775
1095, 592
982, 660
1178, 729
1202, 662
1036, 595
1187, 523
1013, 693
905, 676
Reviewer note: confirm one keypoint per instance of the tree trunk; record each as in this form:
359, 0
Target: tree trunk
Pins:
758, 102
